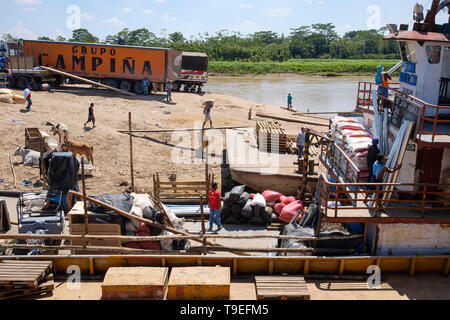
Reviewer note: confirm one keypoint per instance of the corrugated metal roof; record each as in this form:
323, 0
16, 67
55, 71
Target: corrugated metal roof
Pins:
419, 36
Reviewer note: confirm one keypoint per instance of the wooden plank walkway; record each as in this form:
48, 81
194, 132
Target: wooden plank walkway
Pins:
23, 274
281, 287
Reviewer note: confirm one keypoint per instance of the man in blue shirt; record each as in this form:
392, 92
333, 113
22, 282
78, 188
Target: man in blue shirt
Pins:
145, 85
289, 101
301, 143
379, 169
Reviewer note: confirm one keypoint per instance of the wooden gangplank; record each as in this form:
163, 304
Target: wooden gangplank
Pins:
281, 287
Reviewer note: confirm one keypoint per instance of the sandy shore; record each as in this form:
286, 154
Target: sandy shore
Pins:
152, 152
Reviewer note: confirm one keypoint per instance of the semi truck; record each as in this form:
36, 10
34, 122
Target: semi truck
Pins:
123, 67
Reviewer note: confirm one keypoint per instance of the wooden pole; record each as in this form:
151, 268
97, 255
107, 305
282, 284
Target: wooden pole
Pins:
44, 177
12, 169
147, 221
86, 217
87, 81
181, 130
203, 224
131, 152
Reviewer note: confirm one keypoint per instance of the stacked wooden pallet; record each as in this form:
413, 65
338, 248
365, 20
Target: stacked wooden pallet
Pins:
271, 132
25, 278
281, 288
292, 147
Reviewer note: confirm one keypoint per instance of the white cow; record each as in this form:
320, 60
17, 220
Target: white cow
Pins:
29, 157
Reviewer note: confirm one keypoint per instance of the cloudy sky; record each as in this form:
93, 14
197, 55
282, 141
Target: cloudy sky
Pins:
32, 18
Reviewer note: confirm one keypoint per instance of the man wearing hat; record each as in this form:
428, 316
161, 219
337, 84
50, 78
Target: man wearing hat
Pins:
27, 95
372, 156
209, 104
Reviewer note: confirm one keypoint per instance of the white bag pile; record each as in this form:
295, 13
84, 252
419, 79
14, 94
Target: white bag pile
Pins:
354, 140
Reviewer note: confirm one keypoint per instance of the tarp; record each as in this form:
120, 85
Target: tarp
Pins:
63, 172
123, 201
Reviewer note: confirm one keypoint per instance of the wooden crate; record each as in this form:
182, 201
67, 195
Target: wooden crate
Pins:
135, 283
34, 139
76, 227
45, 287
204, 283
281, 288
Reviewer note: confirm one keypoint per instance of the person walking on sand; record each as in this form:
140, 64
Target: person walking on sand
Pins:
145, 85
169, 91
91, 116
214, 207
209, 104
27, 96
289, 101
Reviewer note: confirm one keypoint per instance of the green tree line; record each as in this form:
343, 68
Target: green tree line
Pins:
305, 42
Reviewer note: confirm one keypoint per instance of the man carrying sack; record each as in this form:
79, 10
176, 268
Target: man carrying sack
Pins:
209, 104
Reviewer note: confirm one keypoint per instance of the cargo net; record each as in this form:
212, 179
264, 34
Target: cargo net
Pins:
271, 137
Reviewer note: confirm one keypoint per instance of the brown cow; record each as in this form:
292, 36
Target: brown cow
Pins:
81, 148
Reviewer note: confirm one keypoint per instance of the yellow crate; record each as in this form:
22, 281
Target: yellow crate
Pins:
199, 283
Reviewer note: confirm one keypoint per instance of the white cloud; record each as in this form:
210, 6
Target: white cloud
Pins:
87, 16
28, 1
20, 31
168, 18
244, 6
30, 9
123, 10
57, 33
160, 1
114, 21
148, 11
281, 12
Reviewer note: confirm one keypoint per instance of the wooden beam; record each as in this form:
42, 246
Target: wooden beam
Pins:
176, 130
262, 115
87, 81
131, 152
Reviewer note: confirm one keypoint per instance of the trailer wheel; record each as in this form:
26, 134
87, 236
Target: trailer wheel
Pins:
112, 83
176, 86
23, 83
125, 86
138, 87
13, 82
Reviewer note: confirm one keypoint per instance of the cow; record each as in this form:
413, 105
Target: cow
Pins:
81, 148
29, 157
62, 131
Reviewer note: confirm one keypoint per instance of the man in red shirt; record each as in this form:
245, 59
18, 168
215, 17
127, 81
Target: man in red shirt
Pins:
214, 207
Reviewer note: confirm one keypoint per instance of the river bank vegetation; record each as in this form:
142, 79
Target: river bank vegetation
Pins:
315, 49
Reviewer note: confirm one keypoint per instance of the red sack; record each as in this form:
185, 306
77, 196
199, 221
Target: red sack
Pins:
144, 231
290, 211
289, 200
278, 208
252, 195
271, 196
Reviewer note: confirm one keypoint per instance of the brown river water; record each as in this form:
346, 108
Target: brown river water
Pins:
316, 94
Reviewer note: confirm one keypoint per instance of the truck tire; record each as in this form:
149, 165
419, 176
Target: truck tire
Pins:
176, 86
23, 82
138, 87
12, 82
112, 83
126, 86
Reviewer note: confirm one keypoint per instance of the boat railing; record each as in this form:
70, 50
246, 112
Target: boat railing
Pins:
337, 200
364, 101
337, 161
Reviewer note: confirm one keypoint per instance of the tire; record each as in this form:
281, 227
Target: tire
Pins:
176, 86
12, 82
126, 86
112, 83
23, 83
138, 88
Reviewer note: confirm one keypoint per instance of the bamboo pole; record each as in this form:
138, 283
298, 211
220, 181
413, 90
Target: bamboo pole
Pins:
132, 217
131, 152
165, 237
86, 217
203, 224
87, 81
13, 171
176, 130
291, 120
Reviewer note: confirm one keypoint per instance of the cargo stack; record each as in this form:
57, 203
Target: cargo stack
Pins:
271, 133
25, 278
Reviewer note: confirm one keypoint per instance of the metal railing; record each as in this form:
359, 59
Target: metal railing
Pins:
383, 197
364, 100
337, 161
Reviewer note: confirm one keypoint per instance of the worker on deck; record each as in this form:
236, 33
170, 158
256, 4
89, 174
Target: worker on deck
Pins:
301, 143
209, 104
378, 171
289, 101
214, 207
372, 156
382, 79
